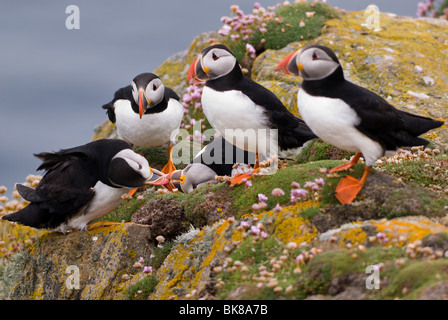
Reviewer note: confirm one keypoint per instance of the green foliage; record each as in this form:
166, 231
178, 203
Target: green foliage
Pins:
280, 35
413, 201
142, 289
319, 150
415, 275
160, 253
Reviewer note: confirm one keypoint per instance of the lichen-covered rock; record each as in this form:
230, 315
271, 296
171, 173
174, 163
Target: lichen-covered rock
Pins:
100, 258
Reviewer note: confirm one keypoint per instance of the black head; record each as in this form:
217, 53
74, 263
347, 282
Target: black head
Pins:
148, 91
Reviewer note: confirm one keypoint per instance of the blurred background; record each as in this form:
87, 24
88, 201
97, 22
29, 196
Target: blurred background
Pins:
53, 81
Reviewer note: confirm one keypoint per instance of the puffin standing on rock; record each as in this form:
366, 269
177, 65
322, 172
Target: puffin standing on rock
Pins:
82, 184
348, 116
147, 114
233, 101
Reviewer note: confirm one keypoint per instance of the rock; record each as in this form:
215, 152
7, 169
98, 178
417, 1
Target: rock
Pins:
99, 257
164, 217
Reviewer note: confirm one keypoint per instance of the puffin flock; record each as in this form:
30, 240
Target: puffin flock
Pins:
84, 183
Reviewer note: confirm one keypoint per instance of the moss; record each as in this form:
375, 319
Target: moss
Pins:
317, 275
160, 253
416, 275
280, 35
320, 150
413, 201
142, 289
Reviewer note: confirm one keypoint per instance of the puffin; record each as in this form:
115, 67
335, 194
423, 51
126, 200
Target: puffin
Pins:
244, 112
147, 114
218, 158
82, 184
349, 116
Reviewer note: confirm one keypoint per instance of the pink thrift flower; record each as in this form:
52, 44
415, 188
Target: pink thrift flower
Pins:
255, 230
278, 208
277, 192
262, 197
295, 185
262, 205
147, 269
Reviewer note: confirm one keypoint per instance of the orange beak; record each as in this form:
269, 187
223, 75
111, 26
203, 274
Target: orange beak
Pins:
289, 64
141, 109
196, 73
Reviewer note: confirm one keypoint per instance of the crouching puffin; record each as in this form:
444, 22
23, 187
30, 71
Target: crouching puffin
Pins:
82, 184
348, 116
147, 114
218, 158
233, 101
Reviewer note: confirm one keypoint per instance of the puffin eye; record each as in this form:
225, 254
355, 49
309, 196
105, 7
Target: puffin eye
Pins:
315, 57
154, 87
214, 56
140, 166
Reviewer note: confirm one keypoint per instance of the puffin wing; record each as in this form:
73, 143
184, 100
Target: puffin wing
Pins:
67, 185
293, 131
170, 94
122, 93
384, 123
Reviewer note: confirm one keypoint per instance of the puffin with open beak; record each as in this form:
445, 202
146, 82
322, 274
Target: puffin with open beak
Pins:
244, 112
348, 116
218, 158
147, 114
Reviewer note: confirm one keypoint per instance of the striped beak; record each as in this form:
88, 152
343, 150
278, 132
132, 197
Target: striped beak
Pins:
289, 64
197, 73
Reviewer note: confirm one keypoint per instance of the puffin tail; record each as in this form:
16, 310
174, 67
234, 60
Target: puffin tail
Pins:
412, 126
28, 216
417, 125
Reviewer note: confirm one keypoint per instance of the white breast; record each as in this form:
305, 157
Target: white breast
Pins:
105, 200
153, 129
334, 121
238, 119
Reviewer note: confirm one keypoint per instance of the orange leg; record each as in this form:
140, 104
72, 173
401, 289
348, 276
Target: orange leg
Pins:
131, 193
257, 162
169, 167
349, 187
347, 166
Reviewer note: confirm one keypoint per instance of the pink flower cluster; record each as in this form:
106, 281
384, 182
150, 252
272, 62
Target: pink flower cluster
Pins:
425, 8
310, 188
240, 26
257, 229
192, 97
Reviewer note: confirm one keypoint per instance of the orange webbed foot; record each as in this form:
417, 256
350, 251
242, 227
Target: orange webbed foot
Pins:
349, 187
